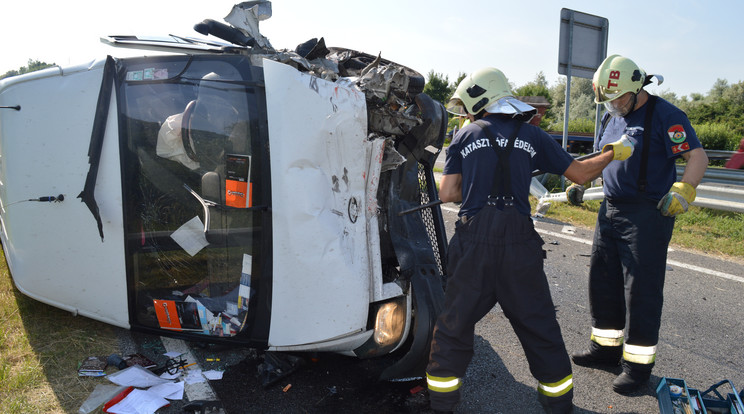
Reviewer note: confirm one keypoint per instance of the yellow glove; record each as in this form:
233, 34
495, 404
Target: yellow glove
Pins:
623, 148
677, 200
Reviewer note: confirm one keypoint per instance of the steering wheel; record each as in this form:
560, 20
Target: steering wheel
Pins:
186, 130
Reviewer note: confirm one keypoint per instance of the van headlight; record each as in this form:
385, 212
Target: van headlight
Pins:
390, 321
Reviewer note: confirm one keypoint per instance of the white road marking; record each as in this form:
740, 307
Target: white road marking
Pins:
196, 391
564, 236
568, 230
703, 270
706, 271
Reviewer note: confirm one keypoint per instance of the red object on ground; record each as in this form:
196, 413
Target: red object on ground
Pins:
736, 161
417, 389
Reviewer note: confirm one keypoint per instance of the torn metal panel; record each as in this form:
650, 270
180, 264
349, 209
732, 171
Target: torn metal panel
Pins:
246, 15
387, 121
383, 82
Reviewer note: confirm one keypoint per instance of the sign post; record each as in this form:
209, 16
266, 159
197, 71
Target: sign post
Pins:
583, 47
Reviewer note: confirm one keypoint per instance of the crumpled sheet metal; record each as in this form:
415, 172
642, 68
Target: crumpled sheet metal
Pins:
389, 122
245, 16
390, 158
382, 81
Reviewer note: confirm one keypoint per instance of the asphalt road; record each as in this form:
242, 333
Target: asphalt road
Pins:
700, 339
700, 342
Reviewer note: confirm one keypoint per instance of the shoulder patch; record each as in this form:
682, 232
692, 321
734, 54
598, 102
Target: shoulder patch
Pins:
676, 149
677, 133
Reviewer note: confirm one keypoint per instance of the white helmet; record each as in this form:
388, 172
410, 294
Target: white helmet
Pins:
486, 89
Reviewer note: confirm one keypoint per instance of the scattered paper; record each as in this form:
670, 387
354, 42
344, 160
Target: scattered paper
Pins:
170, 390
194, 376
136, 376
138, 402
168, 376
173, 354
213, 374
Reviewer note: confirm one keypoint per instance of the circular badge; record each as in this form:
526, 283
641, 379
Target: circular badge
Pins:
677, 133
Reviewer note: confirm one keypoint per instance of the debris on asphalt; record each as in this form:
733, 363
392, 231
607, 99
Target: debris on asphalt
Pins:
276, 366
92, 366
116, 361
417, 389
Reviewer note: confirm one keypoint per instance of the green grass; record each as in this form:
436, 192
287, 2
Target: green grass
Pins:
705, 230
40, 348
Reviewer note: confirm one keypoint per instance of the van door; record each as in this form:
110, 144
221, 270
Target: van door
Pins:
53, 249
319, 169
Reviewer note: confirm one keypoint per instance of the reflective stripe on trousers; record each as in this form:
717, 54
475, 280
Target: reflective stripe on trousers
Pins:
607, 337
631, 353
443, 384
556, 389
639, 354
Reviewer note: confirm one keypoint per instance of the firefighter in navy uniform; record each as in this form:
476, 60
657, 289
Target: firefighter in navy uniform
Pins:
635, 220
496, 255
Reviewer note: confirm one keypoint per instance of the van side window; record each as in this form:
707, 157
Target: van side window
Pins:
191, 239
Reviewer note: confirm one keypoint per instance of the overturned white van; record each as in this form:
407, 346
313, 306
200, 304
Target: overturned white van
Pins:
230, 192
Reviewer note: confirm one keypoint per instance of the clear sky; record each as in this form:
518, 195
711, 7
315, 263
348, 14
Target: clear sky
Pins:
692, 43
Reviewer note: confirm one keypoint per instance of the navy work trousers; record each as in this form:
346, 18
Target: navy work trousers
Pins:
497, 257
627, 270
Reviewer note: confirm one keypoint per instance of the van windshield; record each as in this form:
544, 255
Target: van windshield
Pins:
190, 125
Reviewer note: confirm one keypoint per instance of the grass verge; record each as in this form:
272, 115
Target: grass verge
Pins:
40, 348
705, 230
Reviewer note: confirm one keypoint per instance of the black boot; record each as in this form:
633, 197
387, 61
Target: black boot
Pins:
598, 355
562, 406
633, 377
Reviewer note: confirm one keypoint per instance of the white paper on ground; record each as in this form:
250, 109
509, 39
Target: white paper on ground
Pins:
170, 390
136, 376
213, 374
138, 402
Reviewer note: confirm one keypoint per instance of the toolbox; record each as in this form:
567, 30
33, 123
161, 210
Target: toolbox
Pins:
675, 397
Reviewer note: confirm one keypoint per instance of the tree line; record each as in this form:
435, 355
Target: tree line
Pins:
33, 65
717, 116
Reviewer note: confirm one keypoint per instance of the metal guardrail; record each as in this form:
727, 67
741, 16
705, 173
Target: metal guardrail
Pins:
718, 175
720, 188
719, 154
709, 196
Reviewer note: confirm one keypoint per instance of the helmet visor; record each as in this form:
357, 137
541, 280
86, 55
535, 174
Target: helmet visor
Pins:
604, 94
456, 107
621, 107
509, 105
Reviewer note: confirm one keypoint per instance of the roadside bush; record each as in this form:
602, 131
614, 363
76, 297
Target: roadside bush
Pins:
717, 136
583, 125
